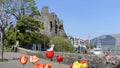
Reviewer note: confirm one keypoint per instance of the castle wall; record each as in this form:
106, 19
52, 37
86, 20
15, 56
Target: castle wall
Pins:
52, 25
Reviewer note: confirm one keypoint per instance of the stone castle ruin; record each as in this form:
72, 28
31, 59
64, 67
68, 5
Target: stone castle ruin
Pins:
52, 25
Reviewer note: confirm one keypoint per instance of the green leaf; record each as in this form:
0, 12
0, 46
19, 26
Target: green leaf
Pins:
2, 1
14, 9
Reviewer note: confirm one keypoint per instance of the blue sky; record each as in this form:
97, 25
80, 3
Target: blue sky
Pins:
97, 17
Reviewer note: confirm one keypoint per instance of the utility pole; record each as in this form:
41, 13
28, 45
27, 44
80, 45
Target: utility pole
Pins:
89, 40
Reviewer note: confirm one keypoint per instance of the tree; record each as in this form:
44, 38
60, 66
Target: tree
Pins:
5, 20
14, 9
26, 38
22, 7
18, 8
9, 36
29, 30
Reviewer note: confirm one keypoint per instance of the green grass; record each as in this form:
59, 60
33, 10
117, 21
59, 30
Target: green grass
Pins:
4, 60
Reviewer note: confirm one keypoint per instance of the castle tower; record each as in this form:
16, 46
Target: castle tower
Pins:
44, 11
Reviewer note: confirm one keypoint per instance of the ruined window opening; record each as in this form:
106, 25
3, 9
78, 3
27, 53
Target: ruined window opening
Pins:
50, 26
61, 27
56, 26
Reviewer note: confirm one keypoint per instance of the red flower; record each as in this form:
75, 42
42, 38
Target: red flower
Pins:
49, 54
23, 59
59, 58
71, 65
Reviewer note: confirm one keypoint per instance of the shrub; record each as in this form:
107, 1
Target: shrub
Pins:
62, 45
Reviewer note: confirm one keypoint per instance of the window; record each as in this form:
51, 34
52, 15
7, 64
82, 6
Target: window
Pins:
50, 26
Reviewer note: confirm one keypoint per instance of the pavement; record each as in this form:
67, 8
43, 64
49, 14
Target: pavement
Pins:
13, 62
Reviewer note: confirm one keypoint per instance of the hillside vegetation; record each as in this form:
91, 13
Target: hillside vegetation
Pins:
61, 44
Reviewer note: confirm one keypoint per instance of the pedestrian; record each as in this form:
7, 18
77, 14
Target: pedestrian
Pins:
107, 55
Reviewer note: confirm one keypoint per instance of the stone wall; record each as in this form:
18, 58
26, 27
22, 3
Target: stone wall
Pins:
53, 26
69, 58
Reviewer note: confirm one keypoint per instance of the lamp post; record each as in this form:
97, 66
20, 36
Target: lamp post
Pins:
16, 41
15, 34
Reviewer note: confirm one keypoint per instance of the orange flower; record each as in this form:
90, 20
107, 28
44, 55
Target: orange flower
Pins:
38, 65
23, 59
47, 66
34, 59
84, 61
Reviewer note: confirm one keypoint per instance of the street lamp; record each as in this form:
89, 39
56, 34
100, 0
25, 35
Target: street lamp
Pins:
16, 41
15, 35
